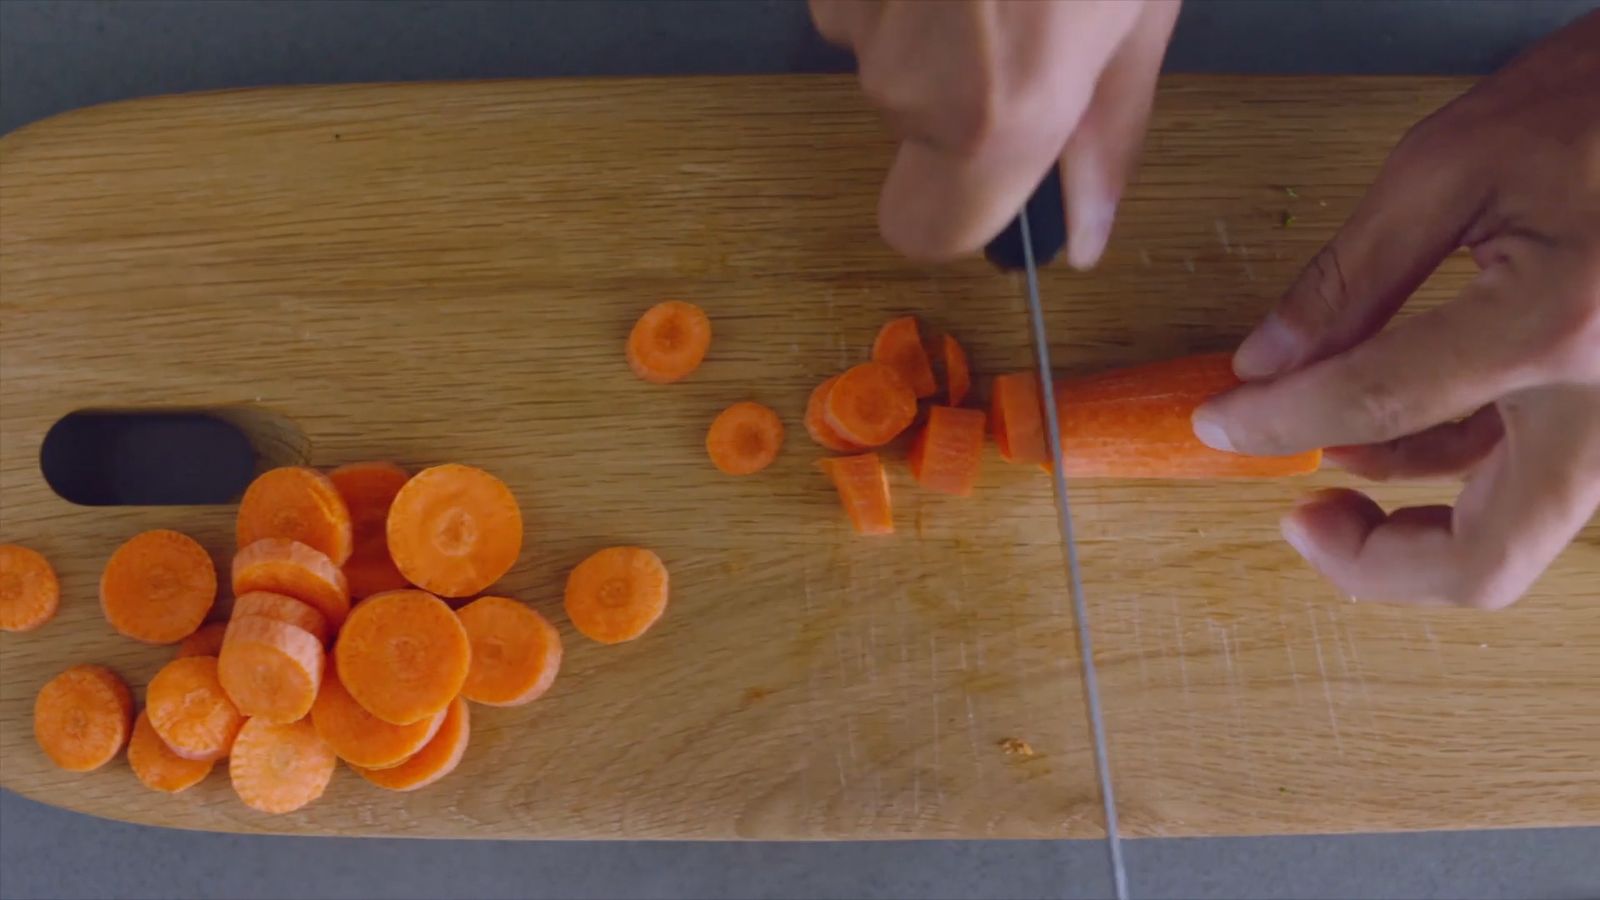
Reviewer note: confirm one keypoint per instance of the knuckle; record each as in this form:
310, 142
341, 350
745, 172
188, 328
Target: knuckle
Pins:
1381, 408
1327, 293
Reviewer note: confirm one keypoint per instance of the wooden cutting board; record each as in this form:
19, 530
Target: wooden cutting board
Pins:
442, 272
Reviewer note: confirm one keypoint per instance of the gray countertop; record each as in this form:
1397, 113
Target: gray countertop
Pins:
56, 56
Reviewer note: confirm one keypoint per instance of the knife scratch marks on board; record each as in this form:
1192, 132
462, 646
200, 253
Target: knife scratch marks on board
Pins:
1322, 673
1288, 649
1183, 674
933, 678
1222, 236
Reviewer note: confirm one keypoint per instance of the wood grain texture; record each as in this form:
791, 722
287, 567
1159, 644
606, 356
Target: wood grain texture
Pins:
448, 271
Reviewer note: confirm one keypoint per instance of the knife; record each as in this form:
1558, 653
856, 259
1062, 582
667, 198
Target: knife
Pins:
1033, 239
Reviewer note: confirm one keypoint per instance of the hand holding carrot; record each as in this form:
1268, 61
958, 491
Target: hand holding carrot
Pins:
1501, 385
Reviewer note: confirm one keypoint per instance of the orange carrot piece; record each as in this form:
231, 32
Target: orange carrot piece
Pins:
1135, 423
669, 342
299, 504
744, 438
368, 490
190, 710
361, 738
282, 608
293, 569
158, 587
280, 768
817, 423
81, 717
454, 530
206, 640
438, 758
270, 669
515, 652
899, 346
617, 594
156, 766
957, 373
403, 655
863, 488
29, 591
869, 405
1016, 418
949, 450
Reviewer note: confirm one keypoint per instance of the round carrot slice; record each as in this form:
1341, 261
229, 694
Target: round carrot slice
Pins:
156, 766
438, 758
817, 424
29, 591
870, 405
81, 717
669, 342
299, 504
454, 530
361, 738
293, 569
280, 768
206, 640
190, 710
515, 652
158, 587
282, 608
899, 346
744, 438
368, 490
403, 655
617, 594
271, 670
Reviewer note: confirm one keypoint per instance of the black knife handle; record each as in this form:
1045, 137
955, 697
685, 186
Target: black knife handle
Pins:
1047, 222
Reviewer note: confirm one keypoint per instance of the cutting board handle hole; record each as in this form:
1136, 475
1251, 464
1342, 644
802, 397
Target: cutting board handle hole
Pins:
165, 457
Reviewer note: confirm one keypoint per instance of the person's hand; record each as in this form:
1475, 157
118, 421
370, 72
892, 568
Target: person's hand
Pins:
1501, 385
986, 95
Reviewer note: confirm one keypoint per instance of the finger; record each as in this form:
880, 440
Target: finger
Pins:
1104, 149
1442, 451
844, 23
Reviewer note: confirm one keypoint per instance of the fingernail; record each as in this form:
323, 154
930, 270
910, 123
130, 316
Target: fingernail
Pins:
1296, 537
1089, 221
1208, 428
1270, 349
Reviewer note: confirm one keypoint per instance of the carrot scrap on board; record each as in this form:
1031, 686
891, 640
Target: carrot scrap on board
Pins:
454, 530
283, 608
299, 504
817, 423
190, 710
158, 587
957, 373
270, 669
863, 488
899, 346
515, 652
438, 758
280, 768
948, 451
288, 567
368, 490
81, 717
205, 641
156, 766
29, 591
1015, 417
744, 438
869, 405
616, 594
361, 738
403, 655
669, 342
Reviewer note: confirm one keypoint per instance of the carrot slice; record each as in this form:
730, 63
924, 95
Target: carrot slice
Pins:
869, 405
190, 710
669, 342
617, 594
158, 587
1135, 423
156, 766
817, 423
206, 640
293, 569
1016, 418
280, 768
899, 346
29, 591
744, 438
81, 717
270, 669
368, 490
863, 487
361, 738
949, 450
454, 530
438, 758
282, 608
515, 652
299, 504
957, 373
403, 655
